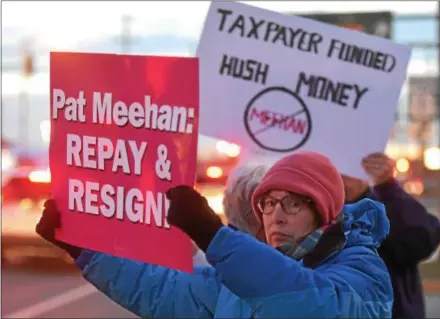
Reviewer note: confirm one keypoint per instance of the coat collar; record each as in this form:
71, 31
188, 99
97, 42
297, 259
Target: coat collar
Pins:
331, 241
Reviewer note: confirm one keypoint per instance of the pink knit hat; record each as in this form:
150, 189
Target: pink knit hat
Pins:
308, 174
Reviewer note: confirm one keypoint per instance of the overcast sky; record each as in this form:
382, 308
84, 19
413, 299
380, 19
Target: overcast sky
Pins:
62, 24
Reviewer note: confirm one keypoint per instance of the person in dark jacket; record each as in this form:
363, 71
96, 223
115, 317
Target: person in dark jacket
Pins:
414, 234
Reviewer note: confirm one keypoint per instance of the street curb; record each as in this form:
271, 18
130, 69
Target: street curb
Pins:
431, 286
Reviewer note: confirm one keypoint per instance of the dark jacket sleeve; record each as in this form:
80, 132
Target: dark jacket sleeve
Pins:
414, 233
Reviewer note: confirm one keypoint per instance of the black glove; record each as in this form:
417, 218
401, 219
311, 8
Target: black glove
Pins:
190, 212
49, 221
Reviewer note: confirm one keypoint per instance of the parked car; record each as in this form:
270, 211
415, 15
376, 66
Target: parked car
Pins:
25, 187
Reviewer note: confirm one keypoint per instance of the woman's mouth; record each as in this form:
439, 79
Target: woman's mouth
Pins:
279, 237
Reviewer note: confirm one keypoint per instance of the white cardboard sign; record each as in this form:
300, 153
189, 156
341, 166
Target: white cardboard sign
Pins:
275, 83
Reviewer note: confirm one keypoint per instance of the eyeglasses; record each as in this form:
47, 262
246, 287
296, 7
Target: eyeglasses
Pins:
290, 204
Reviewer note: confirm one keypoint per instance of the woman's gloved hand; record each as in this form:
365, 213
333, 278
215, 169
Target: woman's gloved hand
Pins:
190, 212
49, 221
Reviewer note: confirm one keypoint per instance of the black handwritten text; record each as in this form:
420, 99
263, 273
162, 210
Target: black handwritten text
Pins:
268, 31
248, 69
322, 88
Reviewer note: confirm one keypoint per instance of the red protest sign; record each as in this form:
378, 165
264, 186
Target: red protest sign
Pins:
124, 130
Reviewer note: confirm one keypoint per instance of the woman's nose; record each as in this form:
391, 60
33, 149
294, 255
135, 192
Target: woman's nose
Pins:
278, 215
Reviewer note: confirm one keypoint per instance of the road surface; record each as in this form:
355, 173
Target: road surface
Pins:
54, 294
61, 293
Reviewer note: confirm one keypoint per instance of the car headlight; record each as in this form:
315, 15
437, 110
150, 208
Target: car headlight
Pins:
230, 149
42, 176
8, 160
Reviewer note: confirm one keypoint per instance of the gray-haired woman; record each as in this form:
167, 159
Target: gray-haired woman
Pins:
238, 194
237, 202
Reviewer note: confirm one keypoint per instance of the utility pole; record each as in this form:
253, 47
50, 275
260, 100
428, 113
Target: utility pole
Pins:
438, 87
126, 34
23, 98
438, 72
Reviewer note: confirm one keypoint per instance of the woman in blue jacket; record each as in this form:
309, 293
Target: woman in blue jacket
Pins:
325, 264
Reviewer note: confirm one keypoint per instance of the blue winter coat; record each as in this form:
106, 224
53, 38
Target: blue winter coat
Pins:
249, 279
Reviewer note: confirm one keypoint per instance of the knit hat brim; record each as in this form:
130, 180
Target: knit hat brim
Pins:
295, 181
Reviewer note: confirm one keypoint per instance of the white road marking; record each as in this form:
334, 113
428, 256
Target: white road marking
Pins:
35, 311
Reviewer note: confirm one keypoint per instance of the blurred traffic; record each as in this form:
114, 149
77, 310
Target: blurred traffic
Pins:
25, 187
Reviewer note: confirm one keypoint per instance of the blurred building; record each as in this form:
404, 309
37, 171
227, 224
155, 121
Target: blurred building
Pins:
417, 120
